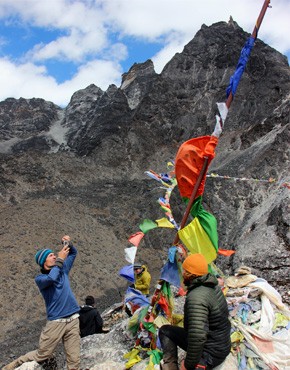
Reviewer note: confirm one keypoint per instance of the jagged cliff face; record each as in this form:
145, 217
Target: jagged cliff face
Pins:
80, 170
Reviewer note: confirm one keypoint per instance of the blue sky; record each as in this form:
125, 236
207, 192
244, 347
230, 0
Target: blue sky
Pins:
51, 48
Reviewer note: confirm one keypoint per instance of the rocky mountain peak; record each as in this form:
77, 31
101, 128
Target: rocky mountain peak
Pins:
137, 82
137, 70
25, 117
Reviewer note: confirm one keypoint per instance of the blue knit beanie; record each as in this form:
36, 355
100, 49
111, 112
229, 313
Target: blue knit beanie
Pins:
41, 256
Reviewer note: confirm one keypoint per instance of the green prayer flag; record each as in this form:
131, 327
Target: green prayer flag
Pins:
206, 219
147, 225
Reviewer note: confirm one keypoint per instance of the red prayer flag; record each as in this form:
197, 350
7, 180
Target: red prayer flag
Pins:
136, 238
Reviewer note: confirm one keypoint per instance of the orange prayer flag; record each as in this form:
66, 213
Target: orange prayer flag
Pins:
189, 161
226, 252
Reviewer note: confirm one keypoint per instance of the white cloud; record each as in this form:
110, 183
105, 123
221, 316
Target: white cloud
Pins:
53, 13
92, 34
82, 25
30, 81
166, 54
151, 19
101, 73
178, 21
73, 47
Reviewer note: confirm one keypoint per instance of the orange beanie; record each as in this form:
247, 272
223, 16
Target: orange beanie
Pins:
195, 264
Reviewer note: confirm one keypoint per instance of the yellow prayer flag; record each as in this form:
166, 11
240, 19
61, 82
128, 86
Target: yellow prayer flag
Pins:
164, 222
194, 237
133, 357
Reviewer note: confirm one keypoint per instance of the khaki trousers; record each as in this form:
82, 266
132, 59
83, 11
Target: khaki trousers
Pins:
51, 335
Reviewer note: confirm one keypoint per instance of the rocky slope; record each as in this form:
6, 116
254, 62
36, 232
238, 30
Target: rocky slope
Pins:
80, 171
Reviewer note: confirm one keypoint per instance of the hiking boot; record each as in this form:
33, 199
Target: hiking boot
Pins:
168, 366
49, 364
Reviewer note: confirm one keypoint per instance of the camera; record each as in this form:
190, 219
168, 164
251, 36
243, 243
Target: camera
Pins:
66, 243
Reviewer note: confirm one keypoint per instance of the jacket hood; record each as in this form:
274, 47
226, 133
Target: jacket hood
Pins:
206, 280
143, 269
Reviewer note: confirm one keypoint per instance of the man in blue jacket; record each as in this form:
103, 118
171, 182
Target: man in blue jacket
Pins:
62, 308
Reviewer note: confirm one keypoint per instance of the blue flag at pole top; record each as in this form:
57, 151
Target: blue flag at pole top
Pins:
235, 78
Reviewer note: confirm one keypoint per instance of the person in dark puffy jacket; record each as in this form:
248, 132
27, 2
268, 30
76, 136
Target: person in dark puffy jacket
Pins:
91, 321
206, 333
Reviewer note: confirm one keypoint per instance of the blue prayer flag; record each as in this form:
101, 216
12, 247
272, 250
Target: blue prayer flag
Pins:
169, 273
235, 78
127, 272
